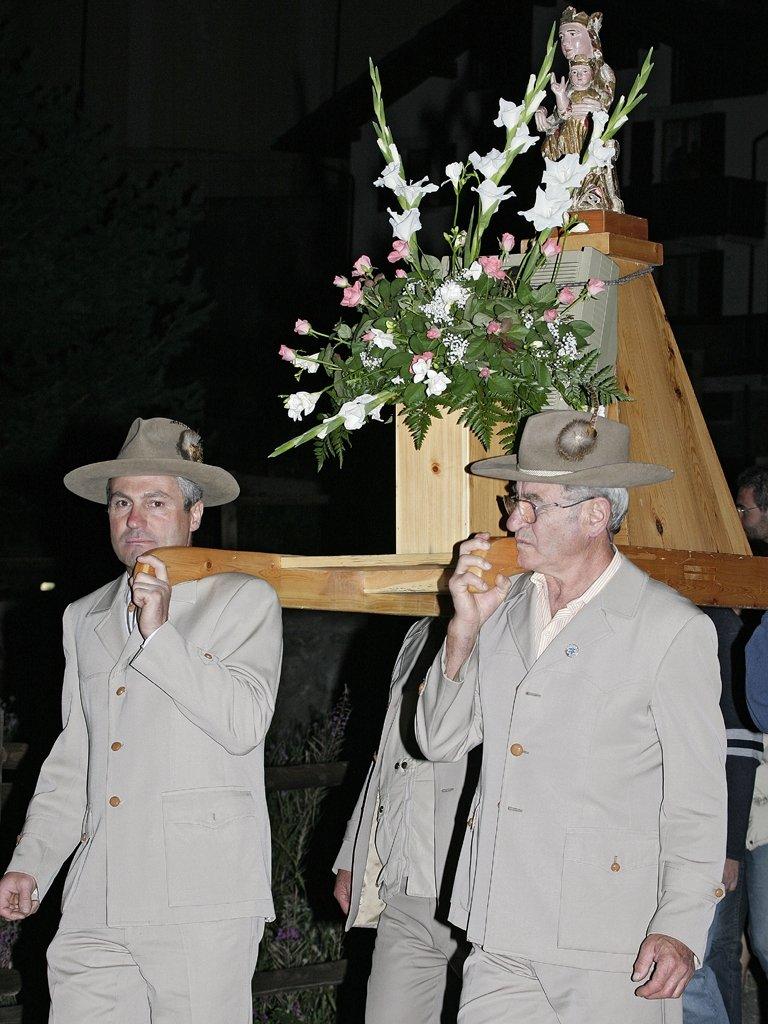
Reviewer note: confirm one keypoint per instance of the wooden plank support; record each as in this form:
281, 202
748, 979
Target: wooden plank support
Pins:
418, 584
295, 979
304, 776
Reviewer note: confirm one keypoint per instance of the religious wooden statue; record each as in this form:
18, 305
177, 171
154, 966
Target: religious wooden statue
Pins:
587, 92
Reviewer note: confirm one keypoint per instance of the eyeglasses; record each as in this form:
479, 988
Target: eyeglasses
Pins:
742, 509
528, 510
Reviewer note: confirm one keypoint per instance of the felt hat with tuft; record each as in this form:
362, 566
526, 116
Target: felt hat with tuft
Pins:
156, 447
575, 449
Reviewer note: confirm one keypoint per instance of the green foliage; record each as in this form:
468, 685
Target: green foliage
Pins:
98, 299
297, 937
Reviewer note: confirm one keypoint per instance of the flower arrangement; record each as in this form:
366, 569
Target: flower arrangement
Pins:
464, 332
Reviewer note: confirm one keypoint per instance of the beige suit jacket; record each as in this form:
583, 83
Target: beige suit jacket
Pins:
358, 852
602, 813
157, 777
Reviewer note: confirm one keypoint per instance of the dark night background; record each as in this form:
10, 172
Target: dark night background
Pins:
180, 181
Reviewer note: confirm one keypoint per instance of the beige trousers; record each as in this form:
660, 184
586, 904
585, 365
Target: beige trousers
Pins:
413, 960
505, 990
163, 974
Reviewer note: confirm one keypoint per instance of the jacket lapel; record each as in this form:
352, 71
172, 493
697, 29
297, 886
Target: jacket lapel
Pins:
111, 628
520, 616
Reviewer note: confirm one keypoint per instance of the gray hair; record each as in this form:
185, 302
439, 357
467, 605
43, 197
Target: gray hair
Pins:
617, 497
756, 477
190, 491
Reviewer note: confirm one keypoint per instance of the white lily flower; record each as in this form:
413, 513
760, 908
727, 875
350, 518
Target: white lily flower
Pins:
413, 191
301, 404
436, 382
390, 176
474, 271
509, 114
381, 339
580, 228
453, 172
567, 172
549, 210
404, 224
489, 164
375, 413
491, 193
522, 140
309, 363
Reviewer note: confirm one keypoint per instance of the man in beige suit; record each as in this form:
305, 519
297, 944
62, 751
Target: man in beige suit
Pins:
590, 877
157, 777
398, 855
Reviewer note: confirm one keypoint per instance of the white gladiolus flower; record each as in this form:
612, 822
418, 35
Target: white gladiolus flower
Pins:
436, 382
390, 176
599, 121
413, 191
308, 363
509, 114
353, 413
491, 193
580, 228
599, 154
522, 140
453, 172
474, 271
404, 224
381, 339
549, 210
489, 164
301, 404
375, 413
567, 172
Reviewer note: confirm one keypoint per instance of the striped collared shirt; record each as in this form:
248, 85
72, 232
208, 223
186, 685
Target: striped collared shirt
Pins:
546, 626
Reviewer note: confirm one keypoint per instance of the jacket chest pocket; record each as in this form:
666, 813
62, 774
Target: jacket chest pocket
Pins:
609, 889
212, 847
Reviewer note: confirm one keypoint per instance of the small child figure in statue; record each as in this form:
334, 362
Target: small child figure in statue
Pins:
568, 126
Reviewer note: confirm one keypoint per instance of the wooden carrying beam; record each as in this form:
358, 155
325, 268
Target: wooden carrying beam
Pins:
418, 584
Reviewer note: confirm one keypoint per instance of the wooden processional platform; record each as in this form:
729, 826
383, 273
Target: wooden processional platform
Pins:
685, 533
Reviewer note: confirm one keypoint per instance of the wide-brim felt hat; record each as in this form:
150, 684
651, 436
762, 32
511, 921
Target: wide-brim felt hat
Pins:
575, 449
156, 447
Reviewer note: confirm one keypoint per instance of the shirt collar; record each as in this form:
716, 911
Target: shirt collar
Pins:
539, 580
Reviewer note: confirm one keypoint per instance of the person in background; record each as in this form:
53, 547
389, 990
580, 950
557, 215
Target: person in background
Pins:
396, 857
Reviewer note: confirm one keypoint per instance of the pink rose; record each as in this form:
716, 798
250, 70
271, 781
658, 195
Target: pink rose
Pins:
551, 247
400, 273
352, 295
507, 242
595, 286
566, 296
341, 282
302, 327
368, 336
492, 267
361, 266
399, 250
287, 353
493, 327
485, 372
549, 315
433, 332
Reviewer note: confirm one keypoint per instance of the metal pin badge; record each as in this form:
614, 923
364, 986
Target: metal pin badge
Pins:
571, 650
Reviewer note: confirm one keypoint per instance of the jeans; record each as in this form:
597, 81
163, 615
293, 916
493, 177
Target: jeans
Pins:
756, 879
713, 995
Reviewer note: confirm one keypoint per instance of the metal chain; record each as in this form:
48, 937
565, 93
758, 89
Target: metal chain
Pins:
619, 280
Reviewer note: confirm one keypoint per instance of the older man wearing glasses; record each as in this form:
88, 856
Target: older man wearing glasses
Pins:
593, 860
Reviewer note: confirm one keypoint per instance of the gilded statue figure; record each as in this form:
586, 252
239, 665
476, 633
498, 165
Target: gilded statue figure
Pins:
589, 88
